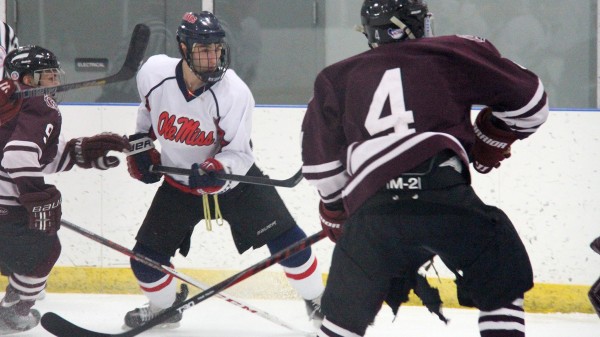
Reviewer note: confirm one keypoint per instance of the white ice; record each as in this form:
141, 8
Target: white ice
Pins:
218, 318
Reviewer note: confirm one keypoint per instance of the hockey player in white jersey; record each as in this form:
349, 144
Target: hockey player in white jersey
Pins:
201, 114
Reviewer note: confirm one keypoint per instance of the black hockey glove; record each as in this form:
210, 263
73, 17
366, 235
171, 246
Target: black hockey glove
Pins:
141, 155
91, 152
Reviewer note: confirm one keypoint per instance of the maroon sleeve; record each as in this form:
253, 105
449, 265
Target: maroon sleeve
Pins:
515, 94
34, 141
485, 77
323, 135
324, 142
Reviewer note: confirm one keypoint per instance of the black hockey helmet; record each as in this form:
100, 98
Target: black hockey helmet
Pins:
30, 60
203, 28
387, 21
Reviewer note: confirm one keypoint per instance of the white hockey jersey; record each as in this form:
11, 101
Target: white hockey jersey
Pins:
191, 127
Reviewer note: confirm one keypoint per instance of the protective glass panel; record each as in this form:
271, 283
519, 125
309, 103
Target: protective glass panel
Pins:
279, 46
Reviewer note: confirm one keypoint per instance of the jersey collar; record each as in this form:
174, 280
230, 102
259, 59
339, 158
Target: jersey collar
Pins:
183, 88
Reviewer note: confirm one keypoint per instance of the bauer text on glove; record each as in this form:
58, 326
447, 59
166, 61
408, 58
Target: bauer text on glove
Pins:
141, 156
44, 209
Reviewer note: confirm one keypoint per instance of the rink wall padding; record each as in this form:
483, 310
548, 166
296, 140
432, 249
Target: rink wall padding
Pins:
270, 285
549, 188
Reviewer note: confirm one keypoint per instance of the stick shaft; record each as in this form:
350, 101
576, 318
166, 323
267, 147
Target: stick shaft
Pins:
170, 271
61, 327
289, 182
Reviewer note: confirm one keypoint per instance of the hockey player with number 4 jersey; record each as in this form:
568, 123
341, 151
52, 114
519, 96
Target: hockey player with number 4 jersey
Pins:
200, 112
387, 140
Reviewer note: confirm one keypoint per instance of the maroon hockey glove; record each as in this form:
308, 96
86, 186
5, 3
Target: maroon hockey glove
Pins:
207, 183
594, 293
44, 209
492, 143
8, 107
332, 221
594, 296
141, 155
595, 245
92, 151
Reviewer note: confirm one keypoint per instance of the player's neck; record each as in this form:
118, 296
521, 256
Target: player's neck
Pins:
192, 82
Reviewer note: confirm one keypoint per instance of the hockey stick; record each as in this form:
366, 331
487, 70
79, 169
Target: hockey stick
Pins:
59, 326
289, 182
170, 271
135, 54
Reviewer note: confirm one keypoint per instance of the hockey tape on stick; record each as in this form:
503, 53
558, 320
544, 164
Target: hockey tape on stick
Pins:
59, 326
170, 271
289, 182
135, 55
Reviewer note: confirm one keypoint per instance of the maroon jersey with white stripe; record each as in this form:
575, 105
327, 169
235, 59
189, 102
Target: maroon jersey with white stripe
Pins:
31, 147
380, 113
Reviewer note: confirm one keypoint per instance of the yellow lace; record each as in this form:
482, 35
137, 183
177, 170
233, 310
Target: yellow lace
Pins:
207, 215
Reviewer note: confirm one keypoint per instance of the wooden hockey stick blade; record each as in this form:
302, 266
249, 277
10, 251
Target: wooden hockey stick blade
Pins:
60, 327
185, 278
135, 55
289, 182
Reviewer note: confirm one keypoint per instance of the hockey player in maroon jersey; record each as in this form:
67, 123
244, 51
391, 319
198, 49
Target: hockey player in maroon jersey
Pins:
201, 114
387, 141
30, 209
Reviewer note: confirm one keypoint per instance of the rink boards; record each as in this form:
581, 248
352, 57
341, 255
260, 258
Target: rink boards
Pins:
549, 188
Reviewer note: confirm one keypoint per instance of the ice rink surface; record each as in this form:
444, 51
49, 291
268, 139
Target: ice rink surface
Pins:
218, 318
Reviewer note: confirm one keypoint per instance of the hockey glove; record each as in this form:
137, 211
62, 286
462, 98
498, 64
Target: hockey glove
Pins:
207, 183
8, 107
44, 209
594, 293
492, 142
595, 245
91, 152
141, 155
594, 296
332, 221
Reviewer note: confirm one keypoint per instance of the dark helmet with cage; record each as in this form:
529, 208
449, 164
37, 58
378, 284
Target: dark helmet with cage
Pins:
203, 29
35, 61
387, 21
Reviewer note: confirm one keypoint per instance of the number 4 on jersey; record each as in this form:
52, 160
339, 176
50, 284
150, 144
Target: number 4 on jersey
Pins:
399, 119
